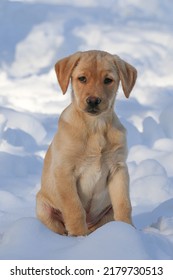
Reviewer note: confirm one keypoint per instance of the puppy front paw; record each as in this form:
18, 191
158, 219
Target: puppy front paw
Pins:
78, 230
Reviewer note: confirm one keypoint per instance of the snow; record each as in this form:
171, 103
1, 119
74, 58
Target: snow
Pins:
40, 33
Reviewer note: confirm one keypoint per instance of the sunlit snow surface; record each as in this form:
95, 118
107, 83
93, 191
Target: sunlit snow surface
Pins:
33, 36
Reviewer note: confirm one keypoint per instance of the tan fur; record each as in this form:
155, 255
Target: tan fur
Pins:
85, 181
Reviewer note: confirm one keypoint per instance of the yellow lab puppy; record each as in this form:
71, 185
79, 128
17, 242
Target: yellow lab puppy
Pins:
85, 181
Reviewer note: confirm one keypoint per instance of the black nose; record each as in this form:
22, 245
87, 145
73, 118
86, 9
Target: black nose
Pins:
93, 101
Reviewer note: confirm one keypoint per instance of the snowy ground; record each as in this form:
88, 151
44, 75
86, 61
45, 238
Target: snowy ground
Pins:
34, 34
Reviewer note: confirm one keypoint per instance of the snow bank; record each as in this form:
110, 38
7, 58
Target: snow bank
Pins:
31, 102
115, 240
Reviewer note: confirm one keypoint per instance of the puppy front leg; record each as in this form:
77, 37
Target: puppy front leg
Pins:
119, 194
71, 207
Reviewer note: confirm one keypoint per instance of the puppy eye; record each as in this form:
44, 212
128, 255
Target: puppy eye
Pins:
82, 79
108, 81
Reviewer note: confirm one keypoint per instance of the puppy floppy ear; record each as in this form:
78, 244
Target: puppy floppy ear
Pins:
127, 74
64, 68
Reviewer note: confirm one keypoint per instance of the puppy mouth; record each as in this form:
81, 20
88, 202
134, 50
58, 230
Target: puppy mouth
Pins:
93, 111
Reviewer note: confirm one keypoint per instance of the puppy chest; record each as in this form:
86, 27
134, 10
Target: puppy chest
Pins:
92, 171
92, 179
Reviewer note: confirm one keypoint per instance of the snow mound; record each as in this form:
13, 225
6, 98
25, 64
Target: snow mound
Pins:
26, 123
149, 177
31, 102
115, 240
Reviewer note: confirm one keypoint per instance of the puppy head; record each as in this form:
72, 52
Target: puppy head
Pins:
95, 77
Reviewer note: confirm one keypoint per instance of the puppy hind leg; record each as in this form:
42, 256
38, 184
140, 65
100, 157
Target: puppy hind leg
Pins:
49, 218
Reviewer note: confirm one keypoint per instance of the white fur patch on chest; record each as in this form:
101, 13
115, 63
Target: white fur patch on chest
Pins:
92, 180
